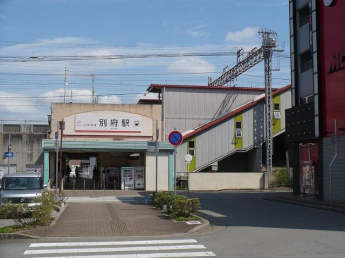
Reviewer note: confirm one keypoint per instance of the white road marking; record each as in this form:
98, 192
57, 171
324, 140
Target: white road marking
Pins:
116, 249
115, 243
152, 255
212, 213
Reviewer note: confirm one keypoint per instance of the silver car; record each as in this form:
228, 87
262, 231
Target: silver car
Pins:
21, 188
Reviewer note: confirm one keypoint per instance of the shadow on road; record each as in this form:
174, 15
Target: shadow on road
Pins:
249, 209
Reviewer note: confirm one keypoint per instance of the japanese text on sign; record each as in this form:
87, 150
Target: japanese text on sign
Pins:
97, 123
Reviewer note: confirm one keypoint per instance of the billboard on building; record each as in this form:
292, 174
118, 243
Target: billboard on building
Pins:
332, 40
105, 123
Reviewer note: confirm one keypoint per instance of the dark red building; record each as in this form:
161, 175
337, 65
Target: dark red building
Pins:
317, 33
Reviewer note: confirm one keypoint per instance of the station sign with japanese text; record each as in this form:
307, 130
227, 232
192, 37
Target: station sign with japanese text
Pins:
106, 123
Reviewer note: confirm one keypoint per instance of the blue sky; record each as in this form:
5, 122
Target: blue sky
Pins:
43, 28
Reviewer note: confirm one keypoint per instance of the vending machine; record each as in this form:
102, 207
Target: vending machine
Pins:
139, 178
127, 178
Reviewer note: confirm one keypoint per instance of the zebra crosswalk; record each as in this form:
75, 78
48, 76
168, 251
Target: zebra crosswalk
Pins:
119, 249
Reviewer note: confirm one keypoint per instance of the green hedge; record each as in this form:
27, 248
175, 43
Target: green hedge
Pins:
176, 205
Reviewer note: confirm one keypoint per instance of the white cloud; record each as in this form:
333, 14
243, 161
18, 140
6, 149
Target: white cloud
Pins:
77, 96
146, 96
197, 32
248, 34
19, 104
111, 99
72, 95
191, 65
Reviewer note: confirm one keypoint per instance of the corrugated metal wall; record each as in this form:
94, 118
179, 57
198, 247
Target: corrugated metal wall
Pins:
218, 141
185, 109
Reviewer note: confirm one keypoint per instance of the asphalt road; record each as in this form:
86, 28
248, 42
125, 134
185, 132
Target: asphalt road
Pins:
243, 226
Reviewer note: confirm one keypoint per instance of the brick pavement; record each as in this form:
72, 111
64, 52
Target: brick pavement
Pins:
111, 219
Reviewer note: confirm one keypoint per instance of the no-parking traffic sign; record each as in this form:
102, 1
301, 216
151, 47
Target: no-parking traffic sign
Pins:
175, 138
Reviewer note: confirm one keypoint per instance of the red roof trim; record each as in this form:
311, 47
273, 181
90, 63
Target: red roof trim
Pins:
150, 88
239, 110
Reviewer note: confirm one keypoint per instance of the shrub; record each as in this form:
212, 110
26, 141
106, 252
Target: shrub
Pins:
281, 179
184, 207
18, 212
42, 213
162, 198
23, 216
177, 205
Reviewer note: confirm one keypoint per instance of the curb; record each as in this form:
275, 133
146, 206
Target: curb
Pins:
16, 236
59, 211
308, 205
204, 226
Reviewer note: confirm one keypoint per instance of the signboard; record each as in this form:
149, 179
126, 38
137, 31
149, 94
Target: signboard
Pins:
34, 168
188, 158
9, 154
139, 178
106, 123
4, 169
175, 138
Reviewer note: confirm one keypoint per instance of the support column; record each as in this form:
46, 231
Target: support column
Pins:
46, 168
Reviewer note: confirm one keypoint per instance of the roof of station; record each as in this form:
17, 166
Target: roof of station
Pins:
149, 101
245, 107
158, 87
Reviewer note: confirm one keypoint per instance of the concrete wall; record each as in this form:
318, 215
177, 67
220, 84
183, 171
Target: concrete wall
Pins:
27, 149
163, 171
64, 110
222, 181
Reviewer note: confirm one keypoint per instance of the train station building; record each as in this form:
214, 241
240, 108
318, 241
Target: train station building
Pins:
222, 127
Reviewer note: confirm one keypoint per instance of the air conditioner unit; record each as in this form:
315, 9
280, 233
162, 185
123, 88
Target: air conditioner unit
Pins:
238, 133
277, 115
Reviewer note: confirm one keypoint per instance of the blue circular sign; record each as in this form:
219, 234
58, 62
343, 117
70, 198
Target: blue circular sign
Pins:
175, 138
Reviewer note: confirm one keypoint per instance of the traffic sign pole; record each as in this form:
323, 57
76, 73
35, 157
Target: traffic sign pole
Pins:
175, 138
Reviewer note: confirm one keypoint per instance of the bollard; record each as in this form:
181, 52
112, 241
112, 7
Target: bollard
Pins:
124, 185
84, 184
94, 185
104, 185
73, 184
114, 185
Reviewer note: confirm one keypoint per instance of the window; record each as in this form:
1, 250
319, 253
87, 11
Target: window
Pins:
191, 148
238, 125
306, 61
238, 132
303, 16
276, 113
276, 107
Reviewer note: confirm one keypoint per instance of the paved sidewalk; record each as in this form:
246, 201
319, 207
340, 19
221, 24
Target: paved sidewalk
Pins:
120, 218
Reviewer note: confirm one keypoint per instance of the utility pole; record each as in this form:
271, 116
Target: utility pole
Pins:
57, 155
64, 87
157, 150
93, 89
62, 127
9, 149
268, 43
